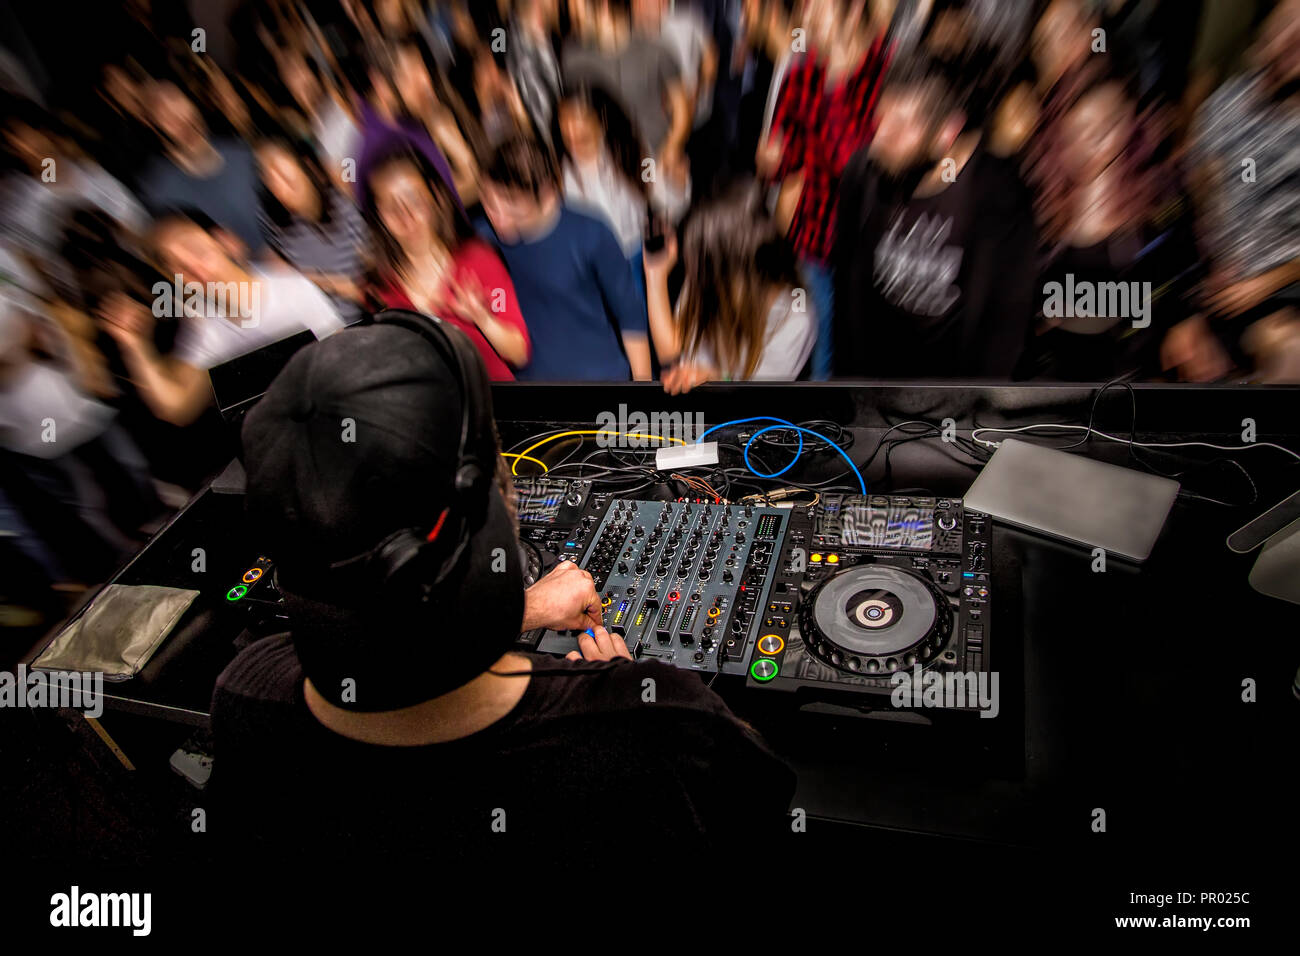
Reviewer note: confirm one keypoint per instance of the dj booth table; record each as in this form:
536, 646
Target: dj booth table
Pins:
1120, 691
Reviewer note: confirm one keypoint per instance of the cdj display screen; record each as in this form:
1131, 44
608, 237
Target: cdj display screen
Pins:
890, 525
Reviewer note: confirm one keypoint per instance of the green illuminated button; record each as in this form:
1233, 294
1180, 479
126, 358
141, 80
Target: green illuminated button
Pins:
763, 669
235, 593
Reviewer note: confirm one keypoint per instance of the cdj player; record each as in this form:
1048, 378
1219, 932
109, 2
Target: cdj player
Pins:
833, 597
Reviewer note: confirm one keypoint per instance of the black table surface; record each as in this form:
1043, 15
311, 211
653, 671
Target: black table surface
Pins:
1120, 690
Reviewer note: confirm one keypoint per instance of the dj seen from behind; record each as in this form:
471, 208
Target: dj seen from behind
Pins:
395, 720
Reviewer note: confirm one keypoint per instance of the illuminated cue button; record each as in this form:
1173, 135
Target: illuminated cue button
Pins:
235, 593
832, 559
815, 558
252, 574
763, 669
771, 644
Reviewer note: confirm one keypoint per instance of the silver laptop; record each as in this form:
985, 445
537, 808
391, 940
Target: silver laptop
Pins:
1074, 498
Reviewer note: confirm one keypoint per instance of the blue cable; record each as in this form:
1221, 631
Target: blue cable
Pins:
861, 483
761, 418
799, 430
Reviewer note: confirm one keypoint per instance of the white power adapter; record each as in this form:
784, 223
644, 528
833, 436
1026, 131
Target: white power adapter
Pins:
676, 457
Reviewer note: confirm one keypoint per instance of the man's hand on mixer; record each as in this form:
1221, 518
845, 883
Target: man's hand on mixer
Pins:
599, 644
565, 599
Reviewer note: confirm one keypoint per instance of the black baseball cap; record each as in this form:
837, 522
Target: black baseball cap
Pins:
358, 438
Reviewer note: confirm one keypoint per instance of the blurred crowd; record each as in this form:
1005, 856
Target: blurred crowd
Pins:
689, 191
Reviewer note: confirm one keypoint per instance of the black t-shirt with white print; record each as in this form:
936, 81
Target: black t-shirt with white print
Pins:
934, 286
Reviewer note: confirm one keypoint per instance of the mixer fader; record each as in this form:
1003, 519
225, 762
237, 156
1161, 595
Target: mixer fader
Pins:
680, 581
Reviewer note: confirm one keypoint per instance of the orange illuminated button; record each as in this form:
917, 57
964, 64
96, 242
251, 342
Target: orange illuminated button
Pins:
771, 644
832, 559
815, 558
252, 574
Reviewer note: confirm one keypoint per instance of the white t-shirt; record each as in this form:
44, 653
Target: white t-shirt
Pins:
787, 342
280, 302
684, 33
44, 414
599, 189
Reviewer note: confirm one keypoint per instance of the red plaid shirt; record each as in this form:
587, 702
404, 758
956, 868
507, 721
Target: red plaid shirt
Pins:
822, 129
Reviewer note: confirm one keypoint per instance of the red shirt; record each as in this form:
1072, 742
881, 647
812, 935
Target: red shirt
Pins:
473, 263
823, 127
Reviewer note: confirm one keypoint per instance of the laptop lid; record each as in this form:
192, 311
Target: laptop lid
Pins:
1074, 498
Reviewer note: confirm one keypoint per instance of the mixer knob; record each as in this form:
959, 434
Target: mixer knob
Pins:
622, 567
726, 577
681, 570
947, 522
749, 512
740, 537
639, 531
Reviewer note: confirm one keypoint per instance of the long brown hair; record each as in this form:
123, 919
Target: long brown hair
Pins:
451, 226
734, 255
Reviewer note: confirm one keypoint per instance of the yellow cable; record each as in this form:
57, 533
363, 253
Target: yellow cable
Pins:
590, 431
538, 461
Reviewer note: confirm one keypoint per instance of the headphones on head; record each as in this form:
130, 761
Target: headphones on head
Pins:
411, 562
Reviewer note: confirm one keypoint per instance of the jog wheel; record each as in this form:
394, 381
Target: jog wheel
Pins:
536, 562
875, 620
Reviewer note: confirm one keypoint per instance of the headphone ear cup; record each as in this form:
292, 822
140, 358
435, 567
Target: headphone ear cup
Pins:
398, 559
478, 466
472, 493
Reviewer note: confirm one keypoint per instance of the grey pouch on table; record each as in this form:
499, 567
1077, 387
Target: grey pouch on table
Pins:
119, 632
